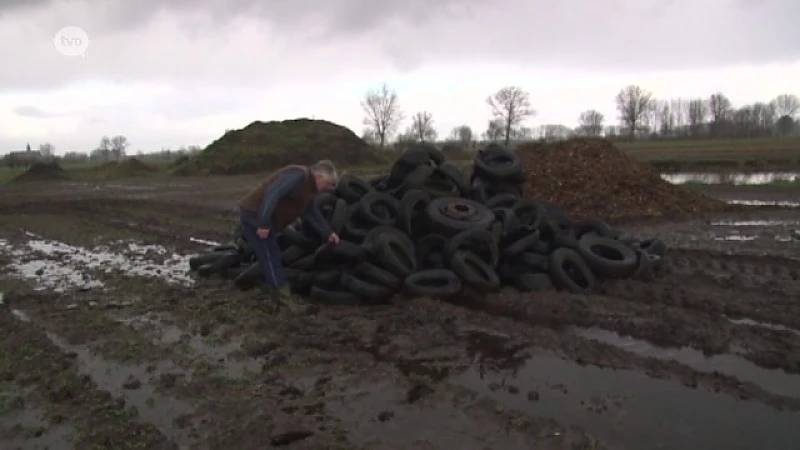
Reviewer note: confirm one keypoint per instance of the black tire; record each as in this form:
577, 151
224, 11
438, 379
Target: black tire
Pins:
296, 237
430, 251
292, 254
530, 213
414, 180
654, 246
339, 215
328, 296
411, 211
351, 188
533, 262
223, 248
453, 214
344, 254
644, 269
498, 163
249, 278
608, 256
533, 282
432, 283
376, 234
305, 263
480, 242
393, 254
569, 271
459, 179
593, 226
521, 245
503, 201
379, 208
205, 258
474, 271
374, 274
228, 259
374, 293
355, 228
510, 224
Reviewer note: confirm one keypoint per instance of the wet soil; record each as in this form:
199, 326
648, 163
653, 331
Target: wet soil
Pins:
107, 344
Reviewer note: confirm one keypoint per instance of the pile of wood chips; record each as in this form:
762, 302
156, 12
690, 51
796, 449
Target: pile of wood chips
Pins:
593, 178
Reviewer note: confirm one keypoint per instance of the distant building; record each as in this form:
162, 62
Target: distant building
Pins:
23, 158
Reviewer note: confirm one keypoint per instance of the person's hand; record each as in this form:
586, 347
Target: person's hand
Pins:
263, 233
333, 239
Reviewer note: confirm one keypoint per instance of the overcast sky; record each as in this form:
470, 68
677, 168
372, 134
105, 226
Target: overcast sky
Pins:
180, 72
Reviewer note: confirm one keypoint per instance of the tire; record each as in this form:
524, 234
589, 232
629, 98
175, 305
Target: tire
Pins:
374, 293
376, 234
510, 224
414, 180
533, 282
338, 216
305, 263
394, 255
379, 208
474, 271
654, 246
296, 237
569, 271
432, 283
328, 296
459, 179
292, 254
411, 211
249, 278
477, 241
453, 214
223, 248
205, 258
608, 256
503, 201
430, 251
521, 245
374, 274
644, 269
530, 213
345, 254
355, 229
595, 226
533, 262
227, 260
351, 188
498, 164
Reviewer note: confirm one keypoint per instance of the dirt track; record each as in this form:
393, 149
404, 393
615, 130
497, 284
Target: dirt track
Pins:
115, 347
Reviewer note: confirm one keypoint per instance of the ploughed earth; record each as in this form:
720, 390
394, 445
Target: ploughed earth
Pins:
107, 341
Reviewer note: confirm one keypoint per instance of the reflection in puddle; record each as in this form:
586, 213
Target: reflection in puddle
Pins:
59, 266
629, 410
783, 203
204, 242
754, 223
771, 326
731, 178
735, 237
775, 381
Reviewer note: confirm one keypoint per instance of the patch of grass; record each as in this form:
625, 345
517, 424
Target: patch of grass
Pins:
764, 149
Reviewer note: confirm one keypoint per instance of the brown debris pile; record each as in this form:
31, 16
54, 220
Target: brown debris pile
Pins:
593, 178
129, 167
42, 171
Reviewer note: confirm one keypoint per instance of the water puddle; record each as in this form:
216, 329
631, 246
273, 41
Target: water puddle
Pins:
753, 223
131, 382
738, 179
770, 326
775, 381
60, 267
229, 356
781, 203
36, 430
630, 410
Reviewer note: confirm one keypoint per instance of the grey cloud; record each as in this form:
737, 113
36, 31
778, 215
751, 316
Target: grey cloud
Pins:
32, 111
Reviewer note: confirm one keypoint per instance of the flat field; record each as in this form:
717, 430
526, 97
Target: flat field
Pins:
108, 343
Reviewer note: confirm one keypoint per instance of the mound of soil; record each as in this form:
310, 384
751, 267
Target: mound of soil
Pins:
593, 178
130, 167
42, 171
266, 145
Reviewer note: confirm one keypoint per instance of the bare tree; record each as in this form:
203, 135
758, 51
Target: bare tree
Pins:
462, 134
554, 132
383, 114
666, 117
786, 105
719, 109
422, 124
678, 107
633, 104
591, 123
697, 112
119, 146
511, 106
494, 130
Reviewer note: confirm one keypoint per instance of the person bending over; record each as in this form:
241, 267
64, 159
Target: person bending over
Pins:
282, 198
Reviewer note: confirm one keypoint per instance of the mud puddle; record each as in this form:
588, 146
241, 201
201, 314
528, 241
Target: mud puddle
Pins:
754, 223
767, 325
29, 428
780, 203
771, 380
130, 382
204, 242
630, 410
737, 179
59, 266
228, 356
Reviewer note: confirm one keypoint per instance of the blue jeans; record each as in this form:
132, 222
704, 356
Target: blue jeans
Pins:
267, 252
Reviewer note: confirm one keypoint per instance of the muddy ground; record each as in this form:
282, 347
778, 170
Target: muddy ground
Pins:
108, 344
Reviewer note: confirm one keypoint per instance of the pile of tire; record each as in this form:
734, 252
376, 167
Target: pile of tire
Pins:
427, 228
